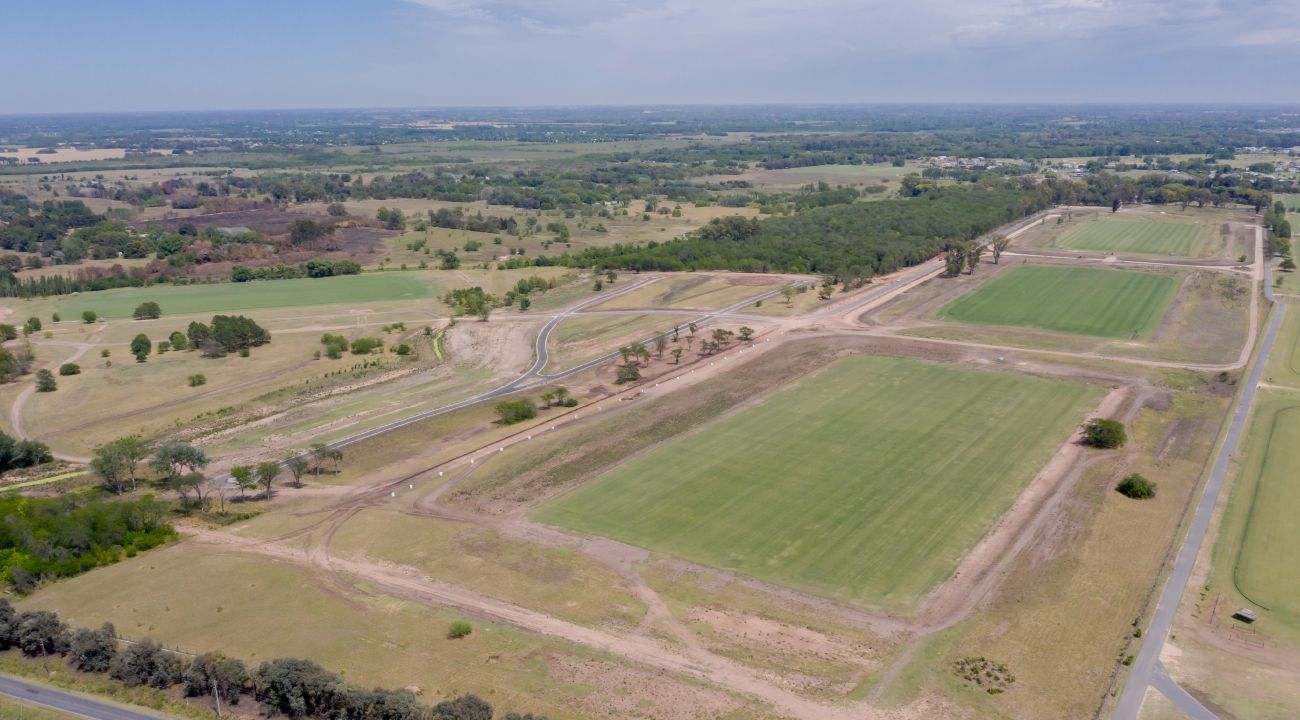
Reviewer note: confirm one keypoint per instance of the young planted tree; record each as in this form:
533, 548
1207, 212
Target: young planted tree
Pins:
548, 398
141, 347
244, 478
297, 467
999, 245
677, 356
266, 474
661, 344
746, 333
319, 454
45, 381
974, 250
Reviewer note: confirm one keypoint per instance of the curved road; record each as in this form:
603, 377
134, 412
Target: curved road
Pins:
1147, 670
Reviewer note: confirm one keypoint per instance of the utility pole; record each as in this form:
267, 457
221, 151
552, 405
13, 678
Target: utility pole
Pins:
216, 696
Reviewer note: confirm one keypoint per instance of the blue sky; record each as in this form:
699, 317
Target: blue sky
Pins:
91, 55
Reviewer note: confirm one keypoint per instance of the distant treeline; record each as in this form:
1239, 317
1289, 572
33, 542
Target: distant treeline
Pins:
309, 269
855, 240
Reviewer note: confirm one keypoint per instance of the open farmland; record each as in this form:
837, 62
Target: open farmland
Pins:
867, 482
1261, 539
1078, 300
1145, 238
261, 294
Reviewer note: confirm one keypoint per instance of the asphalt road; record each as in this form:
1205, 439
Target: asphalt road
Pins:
1147, 665
71, 703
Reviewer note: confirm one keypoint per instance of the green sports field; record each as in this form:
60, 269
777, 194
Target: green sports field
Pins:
1265, 570
257, 295
1083, 301
867, 482
1139, 237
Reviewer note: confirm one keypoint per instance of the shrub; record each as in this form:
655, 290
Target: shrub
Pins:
45, 381
1137, 487
628, 373
465, 707
365, 346
198, 379
93, 650
147, 311
513, 411
69, 369
89, 317
1104, 433
146, 663
228, 675
40, 633
403, 349
178, 341
459, 629
334, 345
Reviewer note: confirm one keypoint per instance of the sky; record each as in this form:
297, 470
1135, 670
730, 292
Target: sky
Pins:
133, 55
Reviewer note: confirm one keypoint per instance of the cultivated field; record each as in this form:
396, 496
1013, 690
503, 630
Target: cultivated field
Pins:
1084, 301
867, 482
1130, 236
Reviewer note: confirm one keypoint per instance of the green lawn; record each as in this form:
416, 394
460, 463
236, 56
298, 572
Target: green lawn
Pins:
867, 482
1265, 569
231, 297
1135, 236
1084, 301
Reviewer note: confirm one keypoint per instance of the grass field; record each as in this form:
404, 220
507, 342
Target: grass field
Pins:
1145, 238
867, 482
1266, 501
1083, 301
234, 297
580, 338
1291, 201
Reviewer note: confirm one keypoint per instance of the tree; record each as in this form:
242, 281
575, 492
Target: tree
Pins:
198, 333
627, 374
562, 395
214, 672
1137, 487
40, 633
244, 478
746, 333
1104, 433
45, 381
336, 209
266, 474
973, 252
141, 347
954, 260
297, 466
1114, 205
175, 458
33, 325
147, 311
89, 317
319, 454
548, 398
179, 341
183, 485
116, 462
787, 291
661, 344
510, 412
999, 245
146, 663
465, 707
677, 356
93, 650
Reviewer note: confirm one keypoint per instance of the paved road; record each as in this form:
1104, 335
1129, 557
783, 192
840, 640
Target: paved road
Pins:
1147, 665
1190, 706
71, 703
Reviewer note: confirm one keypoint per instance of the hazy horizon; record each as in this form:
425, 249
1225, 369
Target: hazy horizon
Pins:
144, 56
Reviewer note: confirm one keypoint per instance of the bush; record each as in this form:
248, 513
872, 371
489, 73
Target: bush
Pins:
334, 345
178, 341
69, 369
513, 411
198, 379
459, 629
1137, 487
146, 663
45, 381
229, 675
365, 346
89, 317
147, 311
465, 707
628, 373
403, 349
40, 633
1104, 433
93, 650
